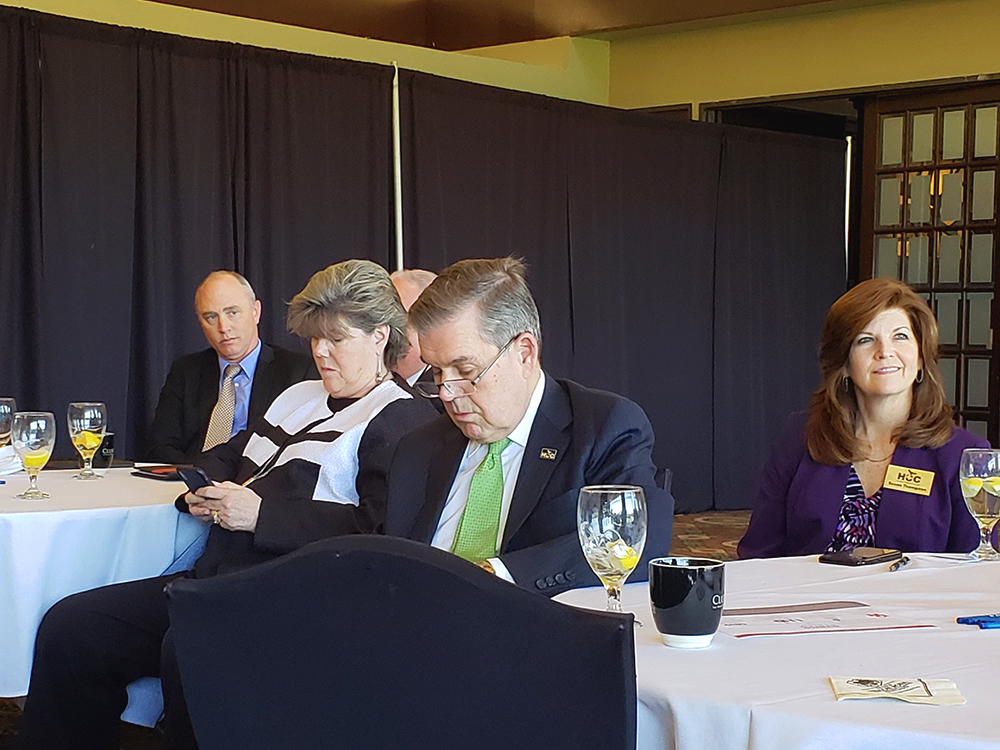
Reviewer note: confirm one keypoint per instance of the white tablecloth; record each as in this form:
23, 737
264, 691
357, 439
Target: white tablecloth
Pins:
773, 693
87, 534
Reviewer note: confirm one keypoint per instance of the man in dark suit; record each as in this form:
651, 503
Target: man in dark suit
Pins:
197, 386
479, 332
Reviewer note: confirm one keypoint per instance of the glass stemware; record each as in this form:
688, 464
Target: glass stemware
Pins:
87, 422
979, 476
611, 520
7, 409
33, 435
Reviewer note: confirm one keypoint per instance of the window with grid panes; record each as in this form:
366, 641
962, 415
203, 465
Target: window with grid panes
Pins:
930, 218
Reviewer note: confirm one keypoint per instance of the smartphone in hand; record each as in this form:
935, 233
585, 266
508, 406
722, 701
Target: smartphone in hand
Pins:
194, 477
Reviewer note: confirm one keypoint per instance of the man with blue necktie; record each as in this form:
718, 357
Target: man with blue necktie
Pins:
211, 395
496, 479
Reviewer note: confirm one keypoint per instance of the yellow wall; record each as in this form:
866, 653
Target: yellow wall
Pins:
874, 46
565, 68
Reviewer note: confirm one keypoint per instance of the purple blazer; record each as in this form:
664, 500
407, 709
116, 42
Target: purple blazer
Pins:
798, 501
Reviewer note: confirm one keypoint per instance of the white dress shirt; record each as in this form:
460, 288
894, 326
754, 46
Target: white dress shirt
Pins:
475, 454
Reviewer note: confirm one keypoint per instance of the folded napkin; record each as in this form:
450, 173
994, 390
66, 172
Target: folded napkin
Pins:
10, 462
933, 692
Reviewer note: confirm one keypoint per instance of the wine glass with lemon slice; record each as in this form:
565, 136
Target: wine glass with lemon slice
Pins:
87, 422
33, 435
611, 520
979, 475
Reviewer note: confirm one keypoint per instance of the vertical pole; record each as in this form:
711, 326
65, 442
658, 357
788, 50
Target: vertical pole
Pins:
397, 168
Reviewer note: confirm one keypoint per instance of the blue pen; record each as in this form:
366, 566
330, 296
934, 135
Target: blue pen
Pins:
977, 619
989, 624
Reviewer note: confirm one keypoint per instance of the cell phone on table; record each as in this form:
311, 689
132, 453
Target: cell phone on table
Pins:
861, 556
194, 477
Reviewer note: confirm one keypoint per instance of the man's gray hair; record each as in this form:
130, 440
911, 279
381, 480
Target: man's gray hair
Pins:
356, 294
495, 286
223, 272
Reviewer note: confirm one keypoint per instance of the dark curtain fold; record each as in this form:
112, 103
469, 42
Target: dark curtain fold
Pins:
484, 175
137, 162
309, 200
780, 264
185, 158
642, 211
88, 135
20, 209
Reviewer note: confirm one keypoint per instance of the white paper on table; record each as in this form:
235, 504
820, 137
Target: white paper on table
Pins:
811, 617
909, 689
10, 462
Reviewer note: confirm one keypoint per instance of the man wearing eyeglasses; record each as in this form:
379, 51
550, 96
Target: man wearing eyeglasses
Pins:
496, 482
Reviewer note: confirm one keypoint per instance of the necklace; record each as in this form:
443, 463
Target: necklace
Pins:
884, 458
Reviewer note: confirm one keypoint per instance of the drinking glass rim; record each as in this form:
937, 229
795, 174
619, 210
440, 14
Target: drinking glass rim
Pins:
670, 561
610, 487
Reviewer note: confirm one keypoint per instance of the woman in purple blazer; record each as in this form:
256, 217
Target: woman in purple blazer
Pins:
874, 463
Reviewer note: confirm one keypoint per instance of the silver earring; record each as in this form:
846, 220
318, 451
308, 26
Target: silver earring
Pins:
920, 376
378, 369
847, 384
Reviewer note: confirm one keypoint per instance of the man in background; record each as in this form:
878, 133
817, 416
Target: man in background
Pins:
497, 481
409, 284
211, 395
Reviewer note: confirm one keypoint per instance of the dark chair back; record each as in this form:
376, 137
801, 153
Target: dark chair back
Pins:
374, 642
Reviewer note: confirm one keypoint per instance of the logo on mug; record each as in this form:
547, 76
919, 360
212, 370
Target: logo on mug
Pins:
716, 601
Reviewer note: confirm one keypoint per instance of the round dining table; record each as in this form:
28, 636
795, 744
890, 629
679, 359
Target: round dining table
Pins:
774, 692
86, 534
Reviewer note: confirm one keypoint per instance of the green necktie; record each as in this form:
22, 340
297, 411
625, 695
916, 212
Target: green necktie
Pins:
476, 538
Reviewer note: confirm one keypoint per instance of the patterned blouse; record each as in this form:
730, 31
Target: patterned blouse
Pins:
856, 525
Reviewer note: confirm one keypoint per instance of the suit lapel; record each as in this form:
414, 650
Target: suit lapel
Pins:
262, 377
208, 389
440, 477
550, 430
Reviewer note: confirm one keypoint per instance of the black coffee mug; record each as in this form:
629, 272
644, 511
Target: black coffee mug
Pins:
686, 595
106, 453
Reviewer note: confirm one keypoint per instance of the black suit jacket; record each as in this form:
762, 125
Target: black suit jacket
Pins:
598, 438
192, 389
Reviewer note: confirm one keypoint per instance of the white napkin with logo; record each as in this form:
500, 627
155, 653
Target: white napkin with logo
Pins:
911, 690
10, 462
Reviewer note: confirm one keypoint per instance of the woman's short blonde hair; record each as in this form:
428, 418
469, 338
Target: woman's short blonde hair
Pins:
351, 294
833, 415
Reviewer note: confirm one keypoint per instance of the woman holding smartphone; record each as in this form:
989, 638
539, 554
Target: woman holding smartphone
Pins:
314, 467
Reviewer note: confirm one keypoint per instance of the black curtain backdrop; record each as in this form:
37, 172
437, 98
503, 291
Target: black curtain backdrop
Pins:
642, 217
484, 175
780, 264
137, 162
660, 253
687, 266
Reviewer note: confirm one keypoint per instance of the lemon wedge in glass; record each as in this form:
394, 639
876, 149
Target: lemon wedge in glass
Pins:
971, 486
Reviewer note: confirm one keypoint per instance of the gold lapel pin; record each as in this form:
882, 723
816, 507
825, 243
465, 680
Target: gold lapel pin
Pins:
549, 454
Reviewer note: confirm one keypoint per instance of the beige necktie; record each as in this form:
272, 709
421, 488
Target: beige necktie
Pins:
220, 426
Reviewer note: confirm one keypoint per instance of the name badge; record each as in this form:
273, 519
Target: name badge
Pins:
915, 481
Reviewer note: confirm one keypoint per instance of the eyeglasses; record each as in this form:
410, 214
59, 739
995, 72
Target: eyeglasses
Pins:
460, 386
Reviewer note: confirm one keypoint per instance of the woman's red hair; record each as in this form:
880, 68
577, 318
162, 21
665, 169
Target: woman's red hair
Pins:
833, 415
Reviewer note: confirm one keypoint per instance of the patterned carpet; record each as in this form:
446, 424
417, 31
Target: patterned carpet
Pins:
711, 535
